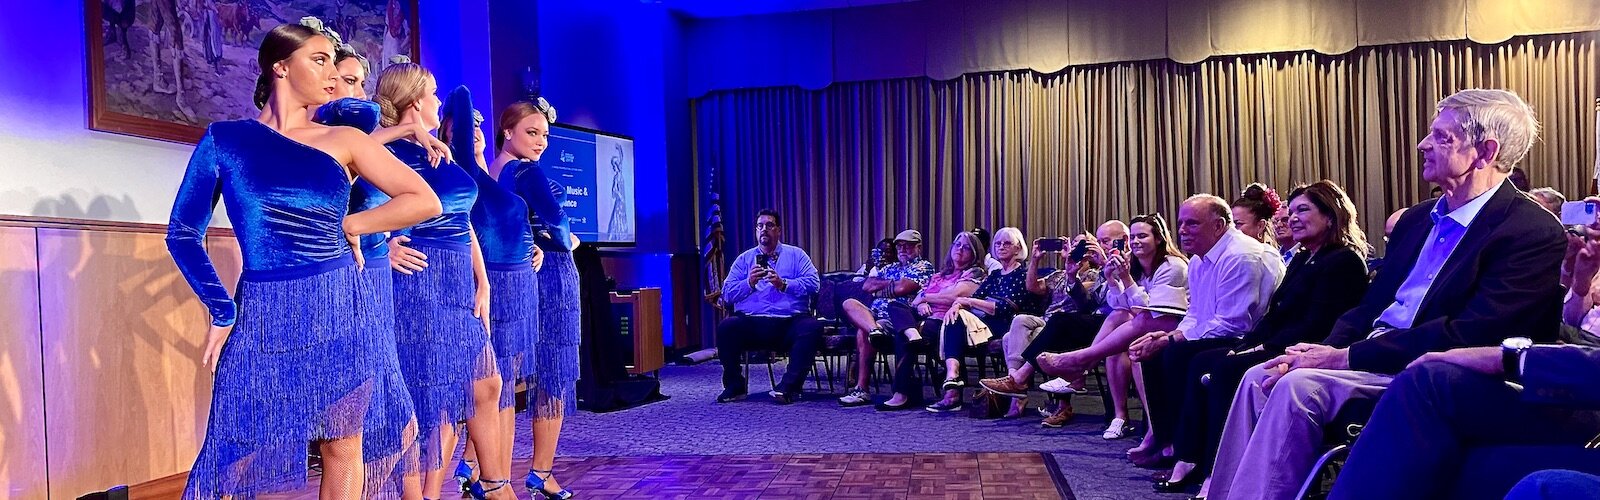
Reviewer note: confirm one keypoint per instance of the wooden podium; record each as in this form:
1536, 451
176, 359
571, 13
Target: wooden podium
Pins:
638, 315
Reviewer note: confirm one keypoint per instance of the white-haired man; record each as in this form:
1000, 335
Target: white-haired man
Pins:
1473, 268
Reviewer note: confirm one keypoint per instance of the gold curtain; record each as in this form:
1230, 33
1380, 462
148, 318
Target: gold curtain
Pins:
1055, 154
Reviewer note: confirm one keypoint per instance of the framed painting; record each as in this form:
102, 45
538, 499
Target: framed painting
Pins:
165, 69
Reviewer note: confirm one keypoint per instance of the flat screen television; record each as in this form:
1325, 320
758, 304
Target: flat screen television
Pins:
597, 170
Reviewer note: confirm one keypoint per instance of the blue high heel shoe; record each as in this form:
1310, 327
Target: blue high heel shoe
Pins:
464, 472
536, 480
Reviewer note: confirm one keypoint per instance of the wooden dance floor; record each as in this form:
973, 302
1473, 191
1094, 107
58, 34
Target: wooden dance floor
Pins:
820, 476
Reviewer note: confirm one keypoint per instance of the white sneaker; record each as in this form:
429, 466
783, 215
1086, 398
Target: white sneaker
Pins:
1116, 429
1058, 386
856, 397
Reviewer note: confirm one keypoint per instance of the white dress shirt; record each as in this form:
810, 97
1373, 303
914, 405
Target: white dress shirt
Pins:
1230, 287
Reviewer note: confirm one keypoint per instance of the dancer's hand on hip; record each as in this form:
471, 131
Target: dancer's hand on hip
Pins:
405, 259
480, 305
216, 337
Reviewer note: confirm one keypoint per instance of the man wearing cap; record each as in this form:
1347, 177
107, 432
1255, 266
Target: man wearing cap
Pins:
897, 282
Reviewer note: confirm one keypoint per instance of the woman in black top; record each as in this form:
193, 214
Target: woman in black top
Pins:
1326, 278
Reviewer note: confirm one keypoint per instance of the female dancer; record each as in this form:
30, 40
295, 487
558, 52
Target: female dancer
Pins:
522, 134
441, 298
501, 221
286, 183
391, 429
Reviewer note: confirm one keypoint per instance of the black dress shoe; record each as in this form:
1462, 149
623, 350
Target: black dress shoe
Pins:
1180, 485
730, 395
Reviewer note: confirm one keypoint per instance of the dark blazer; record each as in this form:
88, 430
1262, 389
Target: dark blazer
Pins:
1502, 280
1314, 293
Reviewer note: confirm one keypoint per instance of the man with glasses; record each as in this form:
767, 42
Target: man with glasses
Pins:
769, 290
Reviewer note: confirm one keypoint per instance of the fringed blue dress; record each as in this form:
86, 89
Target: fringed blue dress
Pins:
297, 367
391, 429
554, 390
506, 239
443, 349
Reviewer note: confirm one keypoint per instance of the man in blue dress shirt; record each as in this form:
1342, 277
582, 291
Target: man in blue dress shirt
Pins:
1476, 266
769, 289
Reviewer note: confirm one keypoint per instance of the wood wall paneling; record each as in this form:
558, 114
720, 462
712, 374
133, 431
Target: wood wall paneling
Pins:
122, 337
22, 404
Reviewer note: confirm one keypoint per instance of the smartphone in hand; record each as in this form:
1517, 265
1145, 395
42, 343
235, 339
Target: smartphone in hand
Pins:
1051, 244
1578, 213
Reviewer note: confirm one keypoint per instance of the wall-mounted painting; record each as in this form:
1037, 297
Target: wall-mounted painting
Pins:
165, 69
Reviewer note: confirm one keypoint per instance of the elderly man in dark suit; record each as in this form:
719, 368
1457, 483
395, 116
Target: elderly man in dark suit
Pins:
1472, 268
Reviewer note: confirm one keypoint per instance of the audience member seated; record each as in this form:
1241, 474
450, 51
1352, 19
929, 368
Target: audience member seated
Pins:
1550, 199
1374, 262
1148, 293
1282, 235
990, 264
971, 320
769, 290
1252, 214
895, 283
1231, 281
1580, 309
1076, 312
1446, 403
1327, 278
1476, 266
924, 317
1519, 178
880, 256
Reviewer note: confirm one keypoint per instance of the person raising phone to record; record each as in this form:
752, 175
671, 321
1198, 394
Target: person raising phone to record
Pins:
768, 289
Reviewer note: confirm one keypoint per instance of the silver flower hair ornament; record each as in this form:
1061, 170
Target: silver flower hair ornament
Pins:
316, 24
545, 108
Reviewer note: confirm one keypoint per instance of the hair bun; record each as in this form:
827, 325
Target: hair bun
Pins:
1260, 192
1255, 191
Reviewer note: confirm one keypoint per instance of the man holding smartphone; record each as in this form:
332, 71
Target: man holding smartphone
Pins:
769, 290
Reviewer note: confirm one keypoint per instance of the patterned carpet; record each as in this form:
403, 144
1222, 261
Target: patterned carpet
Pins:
693, 424
691, 447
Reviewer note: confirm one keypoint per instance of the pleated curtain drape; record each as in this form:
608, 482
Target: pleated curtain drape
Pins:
1055, 154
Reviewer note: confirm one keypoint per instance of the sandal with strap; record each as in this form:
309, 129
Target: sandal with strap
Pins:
535, 483
465, 470
494, 485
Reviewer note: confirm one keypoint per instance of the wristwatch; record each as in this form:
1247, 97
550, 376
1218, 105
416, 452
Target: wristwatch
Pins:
1511, 352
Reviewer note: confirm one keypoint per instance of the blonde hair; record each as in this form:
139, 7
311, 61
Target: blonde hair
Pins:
1498, 115
399, 87
1013, 234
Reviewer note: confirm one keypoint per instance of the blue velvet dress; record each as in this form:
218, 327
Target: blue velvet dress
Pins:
554, 390
506, 239
297, 367
391, 429
443, 349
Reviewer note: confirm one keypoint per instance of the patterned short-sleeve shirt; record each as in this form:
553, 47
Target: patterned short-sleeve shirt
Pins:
917, 270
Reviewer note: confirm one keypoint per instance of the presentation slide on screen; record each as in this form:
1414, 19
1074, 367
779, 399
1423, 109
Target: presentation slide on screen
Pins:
597, 172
